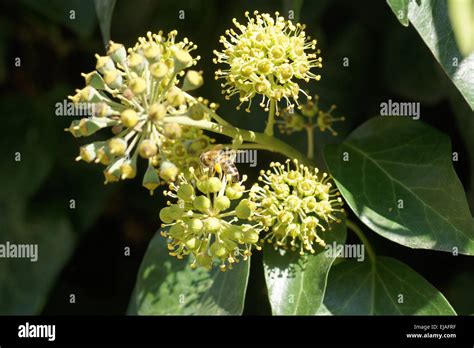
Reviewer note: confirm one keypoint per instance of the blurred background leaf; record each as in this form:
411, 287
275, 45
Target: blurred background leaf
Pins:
104, 9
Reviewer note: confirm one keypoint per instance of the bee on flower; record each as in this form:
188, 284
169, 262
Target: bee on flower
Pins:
204, 222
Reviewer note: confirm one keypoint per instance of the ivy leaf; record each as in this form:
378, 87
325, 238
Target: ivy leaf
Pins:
73, 14
105, 9
399, 180
390, 287
400, 9
168, 286
295, 283
431, 19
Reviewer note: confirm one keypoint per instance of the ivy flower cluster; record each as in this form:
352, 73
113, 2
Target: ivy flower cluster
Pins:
295, 204
268, 56
291, 121
137, 93
201, 221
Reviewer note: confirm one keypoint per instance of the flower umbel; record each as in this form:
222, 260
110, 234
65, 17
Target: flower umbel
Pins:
291, 121
202, 222
136, 93
268, 56
294, 204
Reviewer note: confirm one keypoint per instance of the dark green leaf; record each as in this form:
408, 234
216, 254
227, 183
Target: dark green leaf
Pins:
168, 286
295, 6
431, 19
400, 9
24, 285
76, 15
295, 283
105, 9
388, 288
399, 180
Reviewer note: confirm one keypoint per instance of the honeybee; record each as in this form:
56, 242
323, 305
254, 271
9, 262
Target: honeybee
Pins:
221, 161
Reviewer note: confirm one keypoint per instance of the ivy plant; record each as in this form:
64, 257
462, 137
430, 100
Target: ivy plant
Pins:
394, 175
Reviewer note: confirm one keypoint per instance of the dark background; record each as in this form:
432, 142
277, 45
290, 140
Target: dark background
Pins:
86, 244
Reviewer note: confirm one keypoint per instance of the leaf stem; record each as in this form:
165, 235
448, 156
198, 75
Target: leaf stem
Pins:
358, 231
310, 143
264, 141
271, 119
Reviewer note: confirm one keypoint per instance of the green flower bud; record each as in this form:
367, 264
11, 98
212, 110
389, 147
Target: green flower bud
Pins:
101, 109
186, 192
112, 172
94, 80
87, 153
88, 126
285, 217
243, 210
147, 148
214, 185
129, 118
172, 130
117, 52
113, 79
158, 70
212, 224
202, 203
177, 231
103, 155
117, 146
182, 59
168, 171
136, 62
156, 112
234, 191
197, 112
138, 85
235, 232
104, 64
195, 225
151, 180
128, 170
218, 250
251, 236
152, 52
204, 260
175, 97
192, 80
166, 215
192, 243
222, 203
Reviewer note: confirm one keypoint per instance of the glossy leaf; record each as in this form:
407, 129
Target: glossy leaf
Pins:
389, 288
295, 283
400, 9
397, 176
431, 19
168, 286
